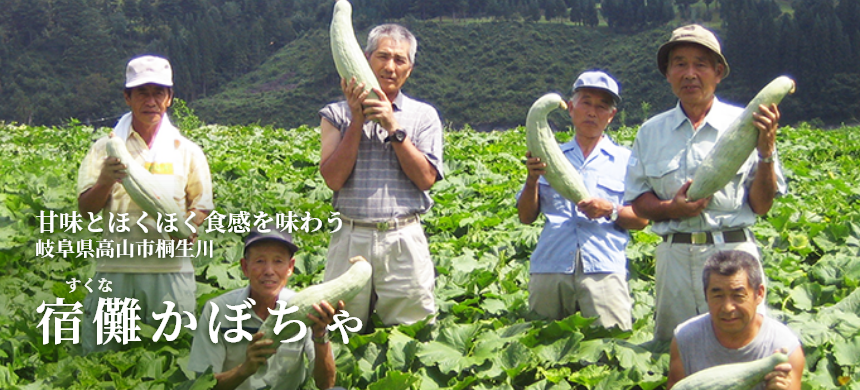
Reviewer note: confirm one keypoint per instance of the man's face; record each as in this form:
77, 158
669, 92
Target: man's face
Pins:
149, 102
732, 302
693, 74
268, 265
391, 65
591, 110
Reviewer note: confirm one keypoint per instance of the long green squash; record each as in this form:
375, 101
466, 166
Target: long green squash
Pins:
342, 288
735, 145
540, 140
348, 57
735, 376
145, 191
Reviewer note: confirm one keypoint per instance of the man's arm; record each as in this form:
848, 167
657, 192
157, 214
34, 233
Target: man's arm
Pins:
628, 219
325, 371
763, 188
412, 160
338, 153
595, 208
414, 164
649, 206
95, 198
676, 366
528, 206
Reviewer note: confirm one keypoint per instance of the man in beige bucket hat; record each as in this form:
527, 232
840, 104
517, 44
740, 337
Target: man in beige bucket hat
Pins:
668, 149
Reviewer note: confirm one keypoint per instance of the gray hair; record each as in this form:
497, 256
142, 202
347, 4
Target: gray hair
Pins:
395, 32
575, 97
728, 263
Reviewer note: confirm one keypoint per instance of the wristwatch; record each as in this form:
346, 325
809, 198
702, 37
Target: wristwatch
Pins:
398, 136
614, 215
768, 159
322, 339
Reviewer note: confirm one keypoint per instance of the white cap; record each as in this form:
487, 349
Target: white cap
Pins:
148, 70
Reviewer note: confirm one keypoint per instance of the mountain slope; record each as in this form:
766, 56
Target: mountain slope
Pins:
484, 74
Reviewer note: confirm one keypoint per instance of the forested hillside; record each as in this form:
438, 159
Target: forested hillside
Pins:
483, 74
481, 62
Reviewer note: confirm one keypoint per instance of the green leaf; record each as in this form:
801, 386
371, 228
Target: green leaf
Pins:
559, 351
395, 380
515, 359
803, 295
847, 353
451, 350
401, 350
149, 366
204, 382
7, 377
590, 351
822, 376
590, 375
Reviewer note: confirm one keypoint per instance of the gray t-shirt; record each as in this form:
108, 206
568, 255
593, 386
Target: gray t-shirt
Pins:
700, 349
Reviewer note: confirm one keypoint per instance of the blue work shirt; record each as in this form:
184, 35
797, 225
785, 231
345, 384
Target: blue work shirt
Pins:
567, 230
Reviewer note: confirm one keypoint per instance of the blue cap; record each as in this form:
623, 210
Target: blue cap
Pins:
274, 235
599, 80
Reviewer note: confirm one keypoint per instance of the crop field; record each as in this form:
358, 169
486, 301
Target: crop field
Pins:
484, 337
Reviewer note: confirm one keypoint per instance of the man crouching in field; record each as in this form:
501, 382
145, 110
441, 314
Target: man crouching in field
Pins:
268, 264
732, 331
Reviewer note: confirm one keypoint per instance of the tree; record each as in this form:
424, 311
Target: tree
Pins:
576, 11
590, 13
684, 7
659, 12
533, 11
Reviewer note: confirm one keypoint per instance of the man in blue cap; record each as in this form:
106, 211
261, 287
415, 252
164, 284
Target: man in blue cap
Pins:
268, 264
579, 261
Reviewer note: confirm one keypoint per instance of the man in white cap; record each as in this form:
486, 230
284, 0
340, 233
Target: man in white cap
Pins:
135, 269
668, 149
579, 261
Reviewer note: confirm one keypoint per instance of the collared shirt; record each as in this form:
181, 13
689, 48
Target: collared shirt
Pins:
178, 166
378, 189
567, 230
667, 152
286, 369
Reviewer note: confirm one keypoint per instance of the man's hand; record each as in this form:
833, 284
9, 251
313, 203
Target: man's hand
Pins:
325, 317
685, 209
779, 378
595, 208
382, 111
766, 120
355, 95
113, 171
535, 167
256, 354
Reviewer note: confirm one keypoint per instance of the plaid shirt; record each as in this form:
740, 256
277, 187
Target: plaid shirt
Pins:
378, 189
